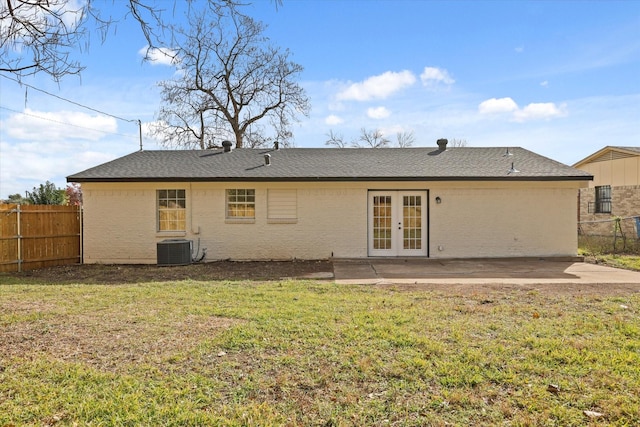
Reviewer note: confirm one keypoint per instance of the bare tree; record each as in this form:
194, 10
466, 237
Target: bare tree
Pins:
405, 139
183, 121
371, 139
457, 142
335, 140
40, 36
232, 84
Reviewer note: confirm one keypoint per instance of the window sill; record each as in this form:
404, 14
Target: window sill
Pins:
171, 233
240, 221
282, 221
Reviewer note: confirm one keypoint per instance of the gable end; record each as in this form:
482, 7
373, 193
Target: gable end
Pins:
612, 155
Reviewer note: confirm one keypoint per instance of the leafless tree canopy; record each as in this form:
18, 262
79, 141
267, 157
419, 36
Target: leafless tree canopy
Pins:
371, 139
455, 142
335, 140
233, 84
41, 36
405, 139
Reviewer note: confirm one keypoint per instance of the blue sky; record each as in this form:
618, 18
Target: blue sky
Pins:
559, 78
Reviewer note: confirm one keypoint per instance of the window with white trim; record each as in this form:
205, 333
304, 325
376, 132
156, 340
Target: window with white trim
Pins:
241, 204
172, 207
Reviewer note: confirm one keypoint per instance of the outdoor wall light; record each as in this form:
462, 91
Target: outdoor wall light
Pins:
438, 200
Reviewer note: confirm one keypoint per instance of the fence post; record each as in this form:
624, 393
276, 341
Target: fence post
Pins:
19, 235
81, 234
618, 228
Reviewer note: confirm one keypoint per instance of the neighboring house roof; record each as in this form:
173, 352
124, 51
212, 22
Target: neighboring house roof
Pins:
609, 153
332, 164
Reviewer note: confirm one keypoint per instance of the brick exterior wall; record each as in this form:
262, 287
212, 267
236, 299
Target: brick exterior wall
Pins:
625, 202
473, 220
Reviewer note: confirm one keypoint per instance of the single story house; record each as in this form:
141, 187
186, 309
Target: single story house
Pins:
318, 203
614, 191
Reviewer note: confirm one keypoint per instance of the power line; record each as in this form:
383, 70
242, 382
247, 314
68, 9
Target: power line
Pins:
79, 105
65, 123
68, 100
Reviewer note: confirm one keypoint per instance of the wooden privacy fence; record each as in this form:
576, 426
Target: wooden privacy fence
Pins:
37, 236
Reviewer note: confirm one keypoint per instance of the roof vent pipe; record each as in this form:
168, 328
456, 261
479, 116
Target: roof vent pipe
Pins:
226, 146
276, 145
442, 144
267, 159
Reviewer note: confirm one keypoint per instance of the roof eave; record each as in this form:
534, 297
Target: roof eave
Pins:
334, 179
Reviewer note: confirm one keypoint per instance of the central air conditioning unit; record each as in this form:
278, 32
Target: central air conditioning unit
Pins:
174, 252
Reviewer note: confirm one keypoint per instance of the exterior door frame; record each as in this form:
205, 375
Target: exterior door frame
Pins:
378, 243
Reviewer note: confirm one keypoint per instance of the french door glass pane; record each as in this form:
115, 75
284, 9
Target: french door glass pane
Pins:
382, 222
412, 222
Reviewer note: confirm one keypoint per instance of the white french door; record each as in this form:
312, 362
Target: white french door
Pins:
397, 223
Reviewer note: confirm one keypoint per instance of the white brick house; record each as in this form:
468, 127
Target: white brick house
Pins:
319, 203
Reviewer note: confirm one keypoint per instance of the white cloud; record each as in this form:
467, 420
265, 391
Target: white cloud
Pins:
333, 120
539, 111
62, 16
533, 111
497, 106
378, 113
519, 49
432, 77
71, 12
544, 83
34, 163
159, 56
60, 125
378, 87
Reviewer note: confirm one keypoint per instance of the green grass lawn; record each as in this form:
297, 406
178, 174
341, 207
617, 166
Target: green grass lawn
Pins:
601, 250
314, 354
628, 262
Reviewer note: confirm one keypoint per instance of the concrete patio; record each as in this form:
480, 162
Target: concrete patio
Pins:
477, 271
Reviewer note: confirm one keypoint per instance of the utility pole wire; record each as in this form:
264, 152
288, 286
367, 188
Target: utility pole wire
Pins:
78, 104
2, 107
69, 101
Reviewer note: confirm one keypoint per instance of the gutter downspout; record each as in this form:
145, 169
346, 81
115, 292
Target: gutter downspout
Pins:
193, 231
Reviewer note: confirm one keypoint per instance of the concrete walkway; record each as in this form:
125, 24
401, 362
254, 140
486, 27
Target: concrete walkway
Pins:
477, 271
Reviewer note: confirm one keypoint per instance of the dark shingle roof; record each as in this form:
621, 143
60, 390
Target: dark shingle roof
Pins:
331, 164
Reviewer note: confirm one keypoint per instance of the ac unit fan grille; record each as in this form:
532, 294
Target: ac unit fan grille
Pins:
174, 252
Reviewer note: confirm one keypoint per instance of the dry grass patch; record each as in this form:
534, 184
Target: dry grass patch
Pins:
108, 341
